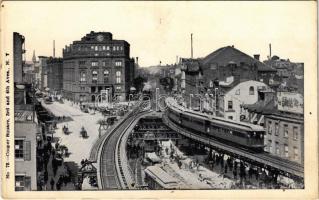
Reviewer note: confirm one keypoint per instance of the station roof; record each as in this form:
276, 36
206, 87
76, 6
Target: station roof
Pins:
161, 177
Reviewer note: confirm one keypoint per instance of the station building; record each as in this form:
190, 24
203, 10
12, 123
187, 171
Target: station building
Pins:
97, 62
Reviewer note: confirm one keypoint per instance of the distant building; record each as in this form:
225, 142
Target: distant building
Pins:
289, 74
43, 72
55, 75
25, 142
97, 62
282, 116
18, 57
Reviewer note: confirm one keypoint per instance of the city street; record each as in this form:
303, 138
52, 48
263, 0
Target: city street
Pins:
78, 146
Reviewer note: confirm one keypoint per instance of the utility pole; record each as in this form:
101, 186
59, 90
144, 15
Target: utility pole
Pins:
269, 51
191, 45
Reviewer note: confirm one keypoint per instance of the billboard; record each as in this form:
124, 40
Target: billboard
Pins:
290, 102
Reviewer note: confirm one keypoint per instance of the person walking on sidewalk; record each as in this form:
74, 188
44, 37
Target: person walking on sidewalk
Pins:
52, 184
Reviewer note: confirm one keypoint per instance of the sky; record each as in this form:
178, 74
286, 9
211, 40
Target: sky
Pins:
160, 31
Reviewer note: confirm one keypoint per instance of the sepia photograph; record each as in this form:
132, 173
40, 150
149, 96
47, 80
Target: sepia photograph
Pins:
154, 96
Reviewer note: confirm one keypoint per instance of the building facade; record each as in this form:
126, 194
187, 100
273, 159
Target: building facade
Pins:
55, 74
230, 100
18, 57
25, 134
97, 62
43, 72
282, 116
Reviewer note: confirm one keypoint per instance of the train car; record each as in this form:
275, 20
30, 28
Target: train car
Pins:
244, 134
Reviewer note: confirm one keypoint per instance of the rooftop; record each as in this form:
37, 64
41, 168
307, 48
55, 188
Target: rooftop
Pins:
229, 54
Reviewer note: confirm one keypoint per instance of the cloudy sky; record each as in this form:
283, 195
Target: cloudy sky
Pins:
160, 31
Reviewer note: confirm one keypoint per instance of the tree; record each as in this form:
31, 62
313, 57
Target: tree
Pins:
138, 83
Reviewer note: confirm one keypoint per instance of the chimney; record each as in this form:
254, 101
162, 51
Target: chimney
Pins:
137, 61
53, 48
269, 51
257, 56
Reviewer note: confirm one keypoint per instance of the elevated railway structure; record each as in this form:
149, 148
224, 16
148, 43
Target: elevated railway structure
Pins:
113, 169
182, 121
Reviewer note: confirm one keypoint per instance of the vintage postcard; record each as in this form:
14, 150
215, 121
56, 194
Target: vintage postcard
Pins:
159, 100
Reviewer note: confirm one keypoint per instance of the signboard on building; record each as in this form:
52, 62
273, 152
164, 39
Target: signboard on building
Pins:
290, 102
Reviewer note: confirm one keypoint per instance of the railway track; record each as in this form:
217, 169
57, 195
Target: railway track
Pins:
111, 172
264, 158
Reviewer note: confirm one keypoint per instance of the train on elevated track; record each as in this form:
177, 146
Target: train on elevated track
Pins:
241, 134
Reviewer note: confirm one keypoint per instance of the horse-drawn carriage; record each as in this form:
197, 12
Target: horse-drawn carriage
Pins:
83, 133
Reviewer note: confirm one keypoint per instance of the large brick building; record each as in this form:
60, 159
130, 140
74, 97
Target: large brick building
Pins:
55, 74
95, 63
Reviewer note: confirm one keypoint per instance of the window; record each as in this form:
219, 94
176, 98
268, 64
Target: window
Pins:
114, 48
82, 77
82, 62
286, 150
103, 63
251, 90
118, 77
269, 128
118, 88
286, 130
213, 66
107, 48
103, 47
106, 76
118, 63
82, 89
100, 48
121, 48
277, 148
296, 153
276, 128
96, 48
270, 145
94, 76
230, 105
18, 149
117, 48
92, 47
22, 149
237, 92
19, 183
94, 63
230, 117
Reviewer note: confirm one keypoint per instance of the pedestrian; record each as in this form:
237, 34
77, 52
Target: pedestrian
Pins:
52, 184
235, 174
45, 177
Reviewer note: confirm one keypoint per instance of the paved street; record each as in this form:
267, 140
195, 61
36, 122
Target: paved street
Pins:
79, 147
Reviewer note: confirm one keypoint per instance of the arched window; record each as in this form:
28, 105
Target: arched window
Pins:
251, 90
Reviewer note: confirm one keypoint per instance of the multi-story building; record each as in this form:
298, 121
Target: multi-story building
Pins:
282, 116
97, 62
43, 72
233, 95
229, 61
55, 75
25, 142
18, 57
